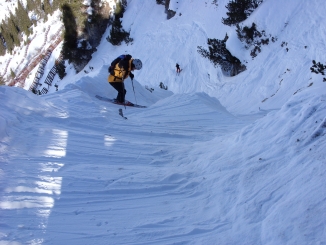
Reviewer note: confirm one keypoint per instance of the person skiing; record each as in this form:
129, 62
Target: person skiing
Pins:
120, 69
178, 68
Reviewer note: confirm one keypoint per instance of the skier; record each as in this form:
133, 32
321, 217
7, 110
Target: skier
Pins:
178, 68
121, 68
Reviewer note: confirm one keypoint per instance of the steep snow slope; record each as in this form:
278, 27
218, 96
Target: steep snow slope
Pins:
79, 162
276, 74
184, 170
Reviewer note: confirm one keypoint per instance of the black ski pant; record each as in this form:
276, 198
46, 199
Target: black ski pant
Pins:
119, 86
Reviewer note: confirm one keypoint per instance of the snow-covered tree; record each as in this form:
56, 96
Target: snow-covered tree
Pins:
239, 10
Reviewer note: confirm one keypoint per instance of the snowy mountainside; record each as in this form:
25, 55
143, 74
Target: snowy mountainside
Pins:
270, 79
212, 160
275, 184
276, 74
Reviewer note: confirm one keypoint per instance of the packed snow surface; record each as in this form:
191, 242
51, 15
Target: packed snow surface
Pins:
211, 160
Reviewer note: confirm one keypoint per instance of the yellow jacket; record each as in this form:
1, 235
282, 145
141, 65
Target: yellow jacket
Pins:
121, 72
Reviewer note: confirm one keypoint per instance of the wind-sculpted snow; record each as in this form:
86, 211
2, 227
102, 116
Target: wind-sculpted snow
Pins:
84, 163
178, 171
211, 160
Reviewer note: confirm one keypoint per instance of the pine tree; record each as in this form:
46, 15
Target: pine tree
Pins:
70, 33
239, 10
117, 34
61, 69
115, 37
12, 73
30, 5
47, 7
2, 46
219, 55
119, 10
23, 21
13, 29
37, 8
56, 5
248, 34
2, 80
9, 42
97, 7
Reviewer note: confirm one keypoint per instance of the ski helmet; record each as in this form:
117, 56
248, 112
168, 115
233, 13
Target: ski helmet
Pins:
137, 63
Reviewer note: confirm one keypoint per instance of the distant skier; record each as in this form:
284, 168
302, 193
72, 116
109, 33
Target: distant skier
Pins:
119, 70
178, 68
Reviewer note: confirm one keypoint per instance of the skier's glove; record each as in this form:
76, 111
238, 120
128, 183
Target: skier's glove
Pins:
131, 76
110, 69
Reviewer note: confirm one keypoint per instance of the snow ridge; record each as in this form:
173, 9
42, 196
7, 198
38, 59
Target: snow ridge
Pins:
211, 160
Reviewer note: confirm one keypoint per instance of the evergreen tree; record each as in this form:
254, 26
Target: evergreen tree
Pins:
219, 55
47, 7
119, 10
13, 30
38, 7
96, 24
118, 35
56, 5
248, 34
2, 80
12, 73
30, 5
70, 33
167, 4
23, 21
61, 69
6, 35
239, 10
97, 9
2, 46
124, 4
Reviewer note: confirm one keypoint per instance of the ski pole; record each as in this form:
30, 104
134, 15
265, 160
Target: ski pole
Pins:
132, 82
123, 92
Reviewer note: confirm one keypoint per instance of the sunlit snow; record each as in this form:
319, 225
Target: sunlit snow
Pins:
211, 160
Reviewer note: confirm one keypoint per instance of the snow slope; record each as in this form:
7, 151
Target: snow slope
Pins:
208, 162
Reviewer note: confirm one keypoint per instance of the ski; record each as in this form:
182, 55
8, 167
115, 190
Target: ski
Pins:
114, 101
